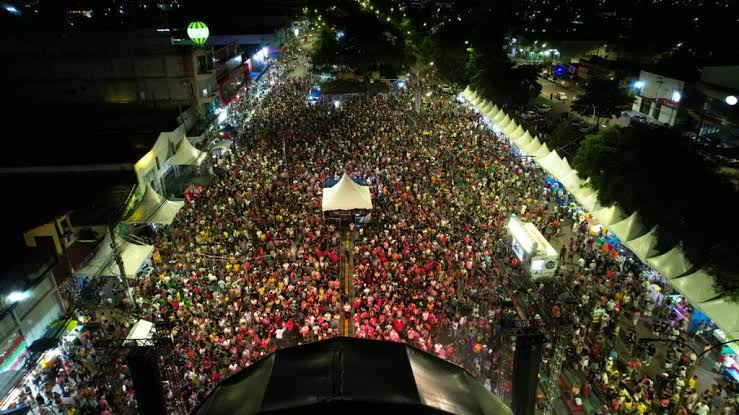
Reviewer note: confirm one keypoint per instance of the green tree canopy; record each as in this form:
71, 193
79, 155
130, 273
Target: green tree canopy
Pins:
357, 39
605, 96
658, 173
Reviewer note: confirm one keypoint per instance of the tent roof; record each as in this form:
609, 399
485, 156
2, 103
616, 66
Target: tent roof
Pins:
103, 263
550, 161
609, 215
570, 179
346, 195
518, 132
493, 112
723, 312
671, 264
644, 246
153, 208
503, 124
629, 228
187, 155
524, 140
532, 147
541, 152
696, 287
341, 374
499, 117
510, 128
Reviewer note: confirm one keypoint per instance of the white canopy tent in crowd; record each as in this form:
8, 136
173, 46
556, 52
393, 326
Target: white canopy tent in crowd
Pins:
697, 287
154, 208
187, 155
103, 263
346, 195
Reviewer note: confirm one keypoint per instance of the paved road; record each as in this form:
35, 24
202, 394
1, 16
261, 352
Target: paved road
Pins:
549, 88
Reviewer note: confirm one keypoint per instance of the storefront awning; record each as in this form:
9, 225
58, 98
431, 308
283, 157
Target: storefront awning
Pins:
187, 155
154, 208
103, 263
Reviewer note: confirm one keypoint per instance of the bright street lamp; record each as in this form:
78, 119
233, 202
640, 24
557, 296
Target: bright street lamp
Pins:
17, 296
731, 100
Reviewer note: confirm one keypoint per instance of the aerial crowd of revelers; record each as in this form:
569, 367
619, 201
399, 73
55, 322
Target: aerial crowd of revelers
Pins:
249, 266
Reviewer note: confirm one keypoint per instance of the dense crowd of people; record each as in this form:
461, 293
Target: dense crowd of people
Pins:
249, 266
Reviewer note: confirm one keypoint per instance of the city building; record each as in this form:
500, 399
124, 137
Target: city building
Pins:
658, 96
29, 303
713, 104
145, 68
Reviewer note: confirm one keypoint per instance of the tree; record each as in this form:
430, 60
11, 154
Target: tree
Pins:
565, 138
658, 173
359, 40
604, 97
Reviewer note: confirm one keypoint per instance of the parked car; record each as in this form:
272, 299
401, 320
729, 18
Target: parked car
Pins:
446, 89
560, 96
529, 115
543, 108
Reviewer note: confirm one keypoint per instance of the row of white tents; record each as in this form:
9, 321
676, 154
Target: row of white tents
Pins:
152, 208
696, 285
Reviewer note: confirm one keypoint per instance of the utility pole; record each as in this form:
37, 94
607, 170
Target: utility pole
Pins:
119, 261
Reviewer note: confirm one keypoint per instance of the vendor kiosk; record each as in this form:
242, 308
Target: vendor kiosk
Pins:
536, 254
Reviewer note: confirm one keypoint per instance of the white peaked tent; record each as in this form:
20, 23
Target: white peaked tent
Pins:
723, 312
476, 100
671, 264
493, 112
524, 140
346, 195
466, 92
644, 246
550, 161
570, 179
532, 147
103, 263
486, 107
153, 208
696, 287
503, 124
187, 155
629, 228
609, 215
564, 168
510, 128
589, 200
541, 152
518, 132
499, 118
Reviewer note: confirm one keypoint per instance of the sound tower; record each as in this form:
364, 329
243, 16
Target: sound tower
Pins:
525, 372
147, 381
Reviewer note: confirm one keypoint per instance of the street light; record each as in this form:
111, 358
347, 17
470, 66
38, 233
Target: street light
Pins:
17, 296
731, 100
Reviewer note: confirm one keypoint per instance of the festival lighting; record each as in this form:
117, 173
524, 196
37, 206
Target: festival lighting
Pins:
198, 32
17, 296
676, 96
639, 84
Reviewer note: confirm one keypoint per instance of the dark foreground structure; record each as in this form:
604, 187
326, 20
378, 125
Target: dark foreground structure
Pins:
348, 374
